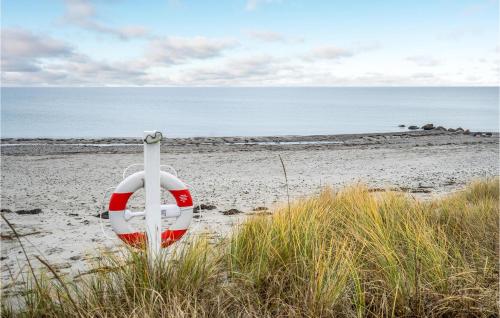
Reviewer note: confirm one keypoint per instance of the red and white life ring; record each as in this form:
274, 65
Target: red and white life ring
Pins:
119, 215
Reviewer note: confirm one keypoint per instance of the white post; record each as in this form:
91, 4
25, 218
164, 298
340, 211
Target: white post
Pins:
152, 141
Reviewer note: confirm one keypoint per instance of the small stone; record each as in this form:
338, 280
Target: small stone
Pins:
401, 126
413, 127
6, 210
104, 215
231, 212
86, 222
75, 258
260, 208
428, 127
203, 206
32, 211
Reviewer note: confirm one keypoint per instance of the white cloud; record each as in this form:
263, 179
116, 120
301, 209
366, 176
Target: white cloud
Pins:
34, 59
178, 50
423, 60
23, 51
477, 8
267, 36
83, 14
78, 70
328, 53
272, 37
235, 71
459, 33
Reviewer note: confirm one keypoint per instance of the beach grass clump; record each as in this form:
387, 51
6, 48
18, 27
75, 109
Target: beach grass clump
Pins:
350, 253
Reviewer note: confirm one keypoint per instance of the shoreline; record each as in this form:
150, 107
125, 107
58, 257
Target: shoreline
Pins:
46, 146
198, 139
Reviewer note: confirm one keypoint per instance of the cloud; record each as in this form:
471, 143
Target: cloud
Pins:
178, 50
422, 60
33, 59
253, 4
267, 36
23, 51
272, 37
480, 7
249, 70
83, 14
328, 53
78, 70
458, 33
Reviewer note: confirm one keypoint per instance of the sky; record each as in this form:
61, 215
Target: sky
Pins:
250, 43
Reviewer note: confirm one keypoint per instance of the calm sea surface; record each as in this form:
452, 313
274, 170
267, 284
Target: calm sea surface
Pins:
187, 112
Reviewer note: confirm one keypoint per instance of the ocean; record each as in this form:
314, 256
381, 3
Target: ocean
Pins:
190, 112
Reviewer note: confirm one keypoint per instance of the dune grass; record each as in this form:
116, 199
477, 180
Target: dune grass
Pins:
350, 253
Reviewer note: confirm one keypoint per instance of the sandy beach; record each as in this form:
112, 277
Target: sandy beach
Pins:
67, 178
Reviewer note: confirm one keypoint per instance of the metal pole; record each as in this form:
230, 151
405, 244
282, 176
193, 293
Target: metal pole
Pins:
152, 141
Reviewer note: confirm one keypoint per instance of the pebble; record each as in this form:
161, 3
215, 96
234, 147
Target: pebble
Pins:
231, 212
104, 215
203, 206
32, 211
260, 208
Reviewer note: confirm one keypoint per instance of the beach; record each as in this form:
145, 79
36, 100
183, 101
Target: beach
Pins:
67, 178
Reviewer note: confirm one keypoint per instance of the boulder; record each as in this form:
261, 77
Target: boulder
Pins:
460, 129
451, 130
488, 134
413, 127
440, 128
401, 126
428, 127
467, 132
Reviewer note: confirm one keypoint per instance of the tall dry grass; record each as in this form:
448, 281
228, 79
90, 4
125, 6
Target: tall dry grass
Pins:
351, 253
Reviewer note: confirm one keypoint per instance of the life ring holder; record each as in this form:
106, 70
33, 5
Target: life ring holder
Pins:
119, 215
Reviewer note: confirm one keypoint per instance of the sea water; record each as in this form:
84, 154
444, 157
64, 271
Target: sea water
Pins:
188, 112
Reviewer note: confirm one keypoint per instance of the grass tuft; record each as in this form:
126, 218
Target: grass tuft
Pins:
351, 253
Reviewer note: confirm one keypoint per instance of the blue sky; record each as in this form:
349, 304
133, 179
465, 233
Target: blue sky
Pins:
249, 43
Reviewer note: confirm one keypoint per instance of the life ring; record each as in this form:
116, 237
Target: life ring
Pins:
119, 215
